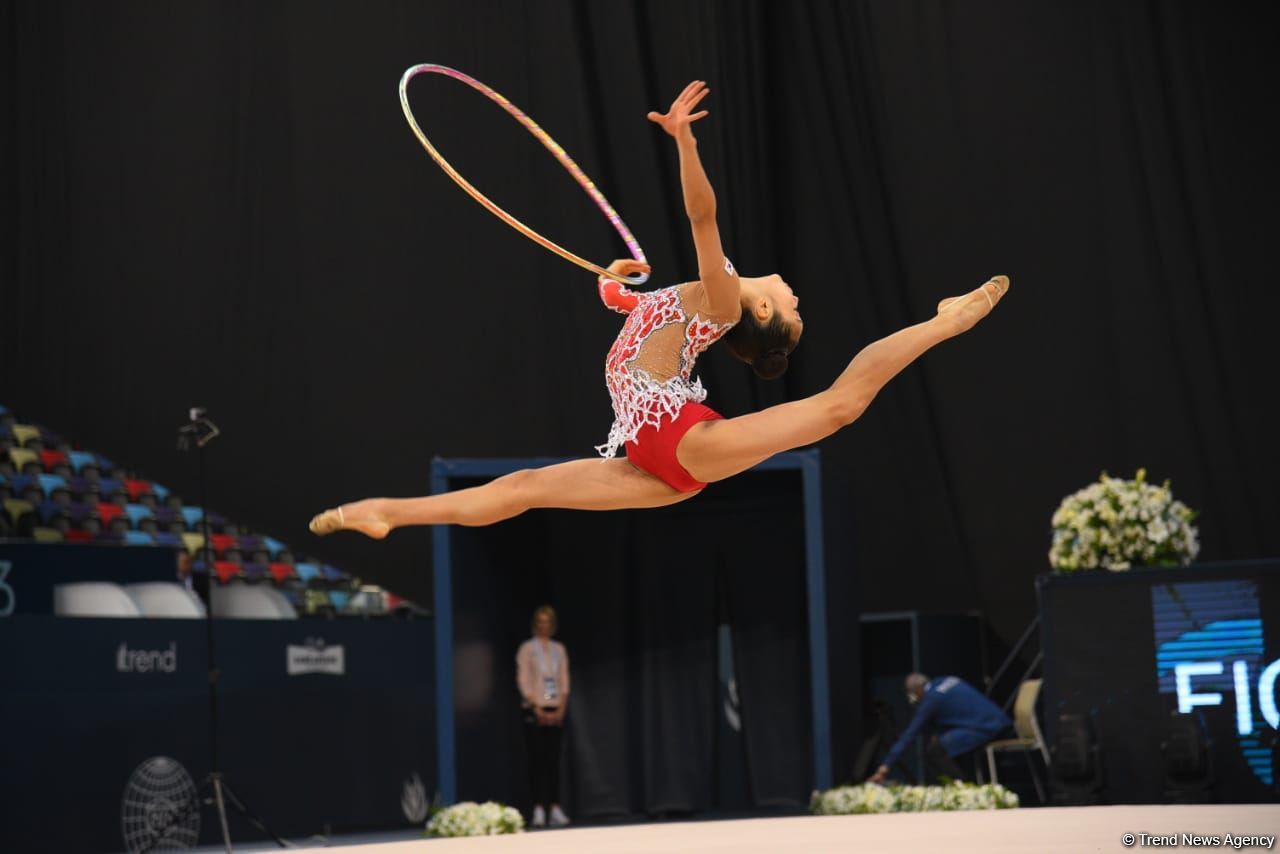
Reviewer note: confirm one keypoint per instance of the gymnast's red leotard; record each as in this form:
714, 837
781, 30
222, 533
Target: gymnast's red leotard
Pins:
648, 372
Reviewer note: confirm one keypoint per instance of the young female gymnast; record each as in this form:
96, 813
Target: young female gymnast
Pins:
674, 445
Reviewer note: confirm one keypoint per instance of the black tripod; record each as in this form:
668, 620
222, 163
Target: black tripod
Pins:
198, 432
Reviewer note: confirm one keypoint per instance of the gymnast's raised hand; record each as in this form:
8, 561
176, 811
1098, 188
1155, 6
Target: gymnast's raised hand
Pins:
675, 445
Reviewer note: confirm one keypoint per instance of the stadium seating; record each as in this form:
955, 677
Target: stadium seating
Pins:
55, 492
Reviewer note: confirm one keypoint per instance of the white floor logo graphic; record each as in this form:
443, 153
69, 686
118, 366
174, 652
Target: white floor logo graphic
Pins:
147, 660
414, 800
314, 657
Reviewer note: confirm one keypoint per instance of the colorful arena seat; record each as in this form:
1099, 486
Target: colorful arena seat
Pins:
22, 458
308, 572
282, 572
108, 511
192, 516
79, 459
49, 459
226, 570
332, 573
137, 512
138, 538
46, 535
166, 538
24, 433
222, 542
51, 483
193, 541
137, 488
17, 508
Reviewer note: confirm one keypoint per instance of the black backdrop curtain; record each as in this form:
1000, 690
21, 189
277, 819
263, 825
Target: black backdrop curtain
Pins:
639, 598
220, 203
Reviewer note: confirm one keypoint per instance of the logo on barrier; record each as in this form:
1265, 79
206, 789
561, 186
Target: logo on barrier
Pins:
7, 599
314, 657
413, 800
147, 660
1209, 643
160, 810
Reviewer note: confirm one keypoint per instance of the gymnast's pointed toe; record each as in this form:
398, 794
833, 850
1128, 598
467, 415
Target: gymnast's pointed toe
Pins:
326, 522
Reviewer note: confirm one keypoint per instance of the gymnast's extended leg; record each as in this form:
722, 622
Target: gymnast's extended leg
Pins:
715, 450
593, 484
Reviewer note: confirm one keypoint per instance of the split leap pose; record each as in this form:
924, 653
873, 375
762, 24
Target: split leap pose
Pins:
674, 445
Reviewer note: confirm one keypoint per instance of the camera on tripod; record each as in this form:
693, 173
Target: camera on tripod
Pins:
198, 431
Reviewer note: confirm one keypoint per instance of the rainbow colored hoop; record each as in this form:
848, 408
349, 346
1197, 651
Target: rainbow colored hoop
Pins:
551, 145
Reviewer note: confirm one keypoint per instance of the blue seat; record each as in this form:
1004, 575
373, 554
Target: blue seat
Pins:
161, 492
138, 538
332, 573
49, 511
192, 516
339, 598
137, 512
109, 486
165, 538
273, 545
104, 464
52, 482
307, 571
79, 459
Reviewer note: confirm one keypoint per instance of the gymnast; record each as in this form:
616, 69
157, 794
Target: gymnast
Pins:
674, 444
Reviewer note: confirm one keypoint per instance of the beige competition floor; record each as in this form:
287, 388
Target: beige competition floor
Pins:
1069, 830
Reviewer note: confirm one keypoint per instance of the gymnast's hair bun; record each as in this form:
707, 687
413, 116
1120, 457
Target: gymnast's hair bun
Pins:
770, 365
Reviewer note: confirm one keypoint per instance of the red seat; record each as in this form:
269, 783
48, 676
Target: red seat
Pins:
78, 536
222, 542
226, 570
52, 458
282, 572
108, 511
136, 488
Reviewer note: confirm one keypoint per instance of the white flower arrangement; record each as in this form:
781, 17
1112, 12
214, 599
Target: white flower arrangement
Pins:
1115, 524
871, 798
472, 819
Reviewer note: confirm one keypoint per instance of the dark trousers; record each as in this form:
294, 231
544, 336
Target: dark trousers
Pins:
543, 743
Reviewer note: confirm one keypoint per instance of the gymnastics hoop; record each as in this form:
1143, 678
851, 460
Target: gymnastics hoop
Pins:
551, 145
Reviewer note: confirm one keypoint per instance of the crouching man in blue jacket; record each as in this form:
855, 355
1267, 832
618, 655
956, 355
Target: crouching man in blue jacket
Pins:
961, 717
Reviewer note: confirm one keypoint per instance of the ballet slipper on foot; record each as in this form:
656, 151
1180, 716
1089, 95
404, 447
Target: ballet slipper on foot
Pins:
978, 303
337, 520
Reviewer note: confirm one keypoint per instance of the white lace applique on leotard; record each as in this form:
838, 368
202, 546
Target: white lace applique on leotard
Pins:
649, 368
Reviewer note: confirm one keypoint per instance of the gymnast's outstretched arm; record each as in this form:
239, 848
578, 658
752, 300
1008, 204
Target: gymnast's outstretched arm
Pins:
718, 279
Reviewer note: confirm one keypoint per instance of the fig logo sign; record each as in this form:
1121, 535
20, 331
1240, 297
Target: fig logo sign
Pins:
1209, 644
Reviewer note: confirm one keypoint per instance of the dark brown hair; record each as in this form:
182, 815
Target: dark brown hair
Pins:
764, 346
